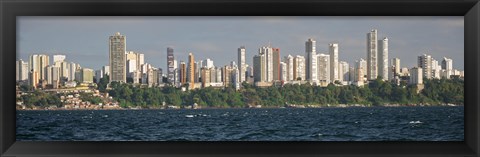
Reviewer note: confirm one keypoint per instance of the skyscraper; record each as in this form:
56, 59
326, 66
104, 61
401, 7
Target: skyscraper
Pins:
170, 64
241, 63
289, 62
131, 66
383, 58
360, 70
135, 56
299, 68
37, 63
283, 71
447, 66
191, 71
343, 70
205, 76
268, 60
64, 71
86, 75
117, 50
323, 67
208, 63
416, 75
98, 75
183, 72
436, 69
372, 65
72, 69
276, 63
425, 62
106, 70
334, 69
48, 74
396, 66
311, 60
21, 70
259, 68
228, 72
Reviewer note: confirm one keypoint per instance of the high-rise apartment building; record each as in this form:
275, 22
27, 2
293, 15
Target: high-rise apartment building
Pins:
241, 63
37, 63
106, 70
206, 77
64, 71
425, 62
117, 50
383, 58
191, 71
283, 71
396, 66
372, 54
259, 68
416, 75
334, 69
447, 66
49, 74
170, 64
289, 62
218, 72
131, 66
21, 71
343, 71
86, 75
360, 70
98, 75
228, 72
208, 63
436, 69
183, 72
299, 68
276, 63
323, 62
137, 57
310, 60
267, 52
72, 69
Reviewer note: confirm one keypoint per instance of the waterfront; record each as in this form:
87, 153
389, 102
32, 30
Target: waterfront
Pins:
282, 124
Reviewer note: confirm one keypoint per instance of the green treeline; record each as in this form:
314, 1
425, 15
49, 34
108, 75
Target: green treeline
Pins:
376, 93
41, 99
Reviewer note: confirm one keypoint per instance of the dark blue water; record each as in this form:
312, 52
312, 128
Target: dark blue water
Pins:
322, 124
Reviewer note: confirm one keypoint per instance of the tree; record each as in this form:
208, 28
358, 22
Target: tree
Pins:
102, 83
25, 88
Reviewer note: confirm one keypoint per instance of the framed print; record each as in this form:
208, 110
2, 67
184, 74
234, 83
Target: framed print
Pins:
232, 78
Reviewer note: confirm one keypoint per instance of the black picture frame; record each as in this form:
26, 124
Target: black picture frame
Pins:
9, 9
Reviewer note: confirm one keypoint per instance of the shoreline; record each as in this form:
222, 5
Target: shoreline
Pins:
270, 107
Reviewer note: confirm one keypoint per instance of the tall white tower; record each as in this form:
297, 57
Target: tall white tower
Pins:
334, 71
241, 63
372, 65
425, 62
383, 58
447, 65
268, 53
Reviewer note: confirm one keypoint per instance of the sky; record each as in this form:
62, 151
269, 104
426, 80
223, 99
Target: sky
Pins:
84, 39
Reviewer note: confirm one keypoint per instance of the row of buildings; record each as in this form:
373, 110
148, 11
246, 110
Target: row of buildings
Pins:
39, 71
268, 68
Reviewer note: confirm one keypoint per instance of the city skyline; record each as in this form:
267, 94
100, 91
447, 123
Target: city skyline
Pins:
351, 48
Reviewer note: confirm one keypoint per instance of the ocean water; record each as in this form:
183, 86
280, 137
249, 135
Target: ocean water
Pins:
283, 124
